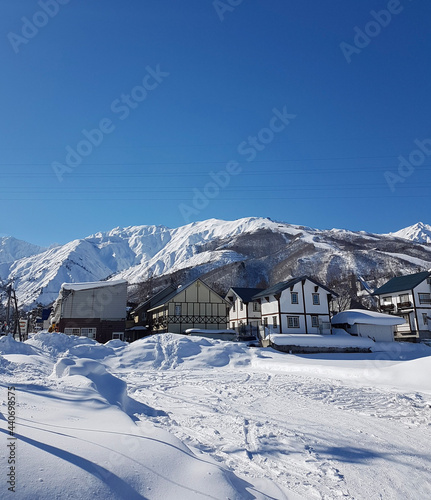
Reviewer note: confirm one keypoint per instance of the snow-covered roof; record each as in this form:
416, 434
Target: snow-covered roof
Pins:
362, 316
91, 284
203, 330
310, 340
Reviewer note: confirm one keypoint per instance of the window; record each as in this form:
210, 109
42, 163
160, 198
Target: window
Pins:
315, 321
177, 309
293, 321
425, 318
241, 305
265, 321
316, 299
233, 325
387, 299
118, 335
256, 307
404, 297
88, 332
72, 331
234, 307
294, 297
274, 321
425, 298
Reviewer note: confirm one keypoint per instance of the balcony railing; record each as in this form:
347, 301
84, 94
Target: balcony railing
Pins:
387, 307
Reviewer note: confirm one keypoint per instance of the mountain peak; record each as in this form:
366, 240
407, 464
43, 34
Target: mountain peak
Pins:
419, 233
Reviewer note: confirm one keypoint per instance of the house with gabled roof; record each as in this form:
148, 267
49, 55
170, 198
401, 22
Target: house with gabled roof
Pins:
244, 311
299, 305
408, 296
95, 309
140, 312
193, 306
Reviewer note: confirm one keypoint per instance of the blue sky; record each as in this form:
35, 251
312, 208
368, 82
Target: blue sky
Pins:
295, 110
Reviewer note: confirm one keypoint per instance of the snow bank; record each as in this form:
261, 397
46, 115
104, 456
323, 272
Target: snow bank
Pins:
8, 345
361, 316
167, 350
111, 389
243, 423
96, 351
58, 343
116, 344
5, 366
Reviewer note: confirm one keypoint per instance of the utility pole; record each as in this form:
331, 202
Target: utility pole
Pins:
16, 318
8, 291
12, 301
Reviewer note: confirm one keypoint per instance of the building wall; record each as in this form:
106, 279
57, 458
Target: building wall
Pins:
104, 329
379, 333
106, 302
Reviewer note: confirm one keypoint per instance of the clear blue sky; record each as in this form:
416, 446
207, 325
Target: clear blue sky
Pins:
181, 90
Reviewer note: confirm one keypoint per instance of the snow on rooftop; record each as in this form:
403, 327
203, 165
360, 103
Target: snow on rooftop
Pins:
309, 340
362, 316
91, 284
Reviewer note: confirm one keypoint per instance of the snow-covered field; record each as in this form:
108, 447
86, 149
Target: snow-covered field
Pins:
174, 417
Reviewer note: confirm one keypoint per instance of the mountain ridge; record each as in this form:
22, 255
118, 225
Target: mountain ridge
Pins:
243, 252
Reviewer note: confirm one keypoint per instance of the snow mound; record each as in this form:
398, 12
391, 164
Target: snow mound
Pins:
91, 351
110, 388
58, 343
5, 366
8, 345
116, 344
167, 350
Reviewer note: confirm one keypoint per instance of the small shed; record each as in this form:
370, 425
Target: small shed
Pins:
363, 323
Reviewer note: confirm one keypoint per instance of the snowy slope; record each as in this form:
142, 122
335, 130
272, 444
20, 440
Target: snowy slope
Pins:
419, 233
12, 249
243, 252
177, 418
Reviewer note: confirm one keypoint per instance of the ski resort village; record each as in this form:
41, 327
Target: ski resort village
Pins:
249, 359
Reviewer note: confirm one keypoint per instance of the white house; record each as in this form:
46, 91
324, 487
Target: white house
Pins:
244, 311
409, 297
300, 305
377, 326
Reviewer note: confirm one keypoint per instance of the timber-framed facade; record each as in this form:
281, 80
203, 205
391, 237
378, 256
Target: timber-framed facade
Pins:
192, 306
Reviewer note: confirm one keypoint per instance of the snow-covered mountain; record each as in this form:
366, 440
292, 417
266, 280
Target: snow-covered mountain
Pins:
246, 252
12, 250
420, 233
